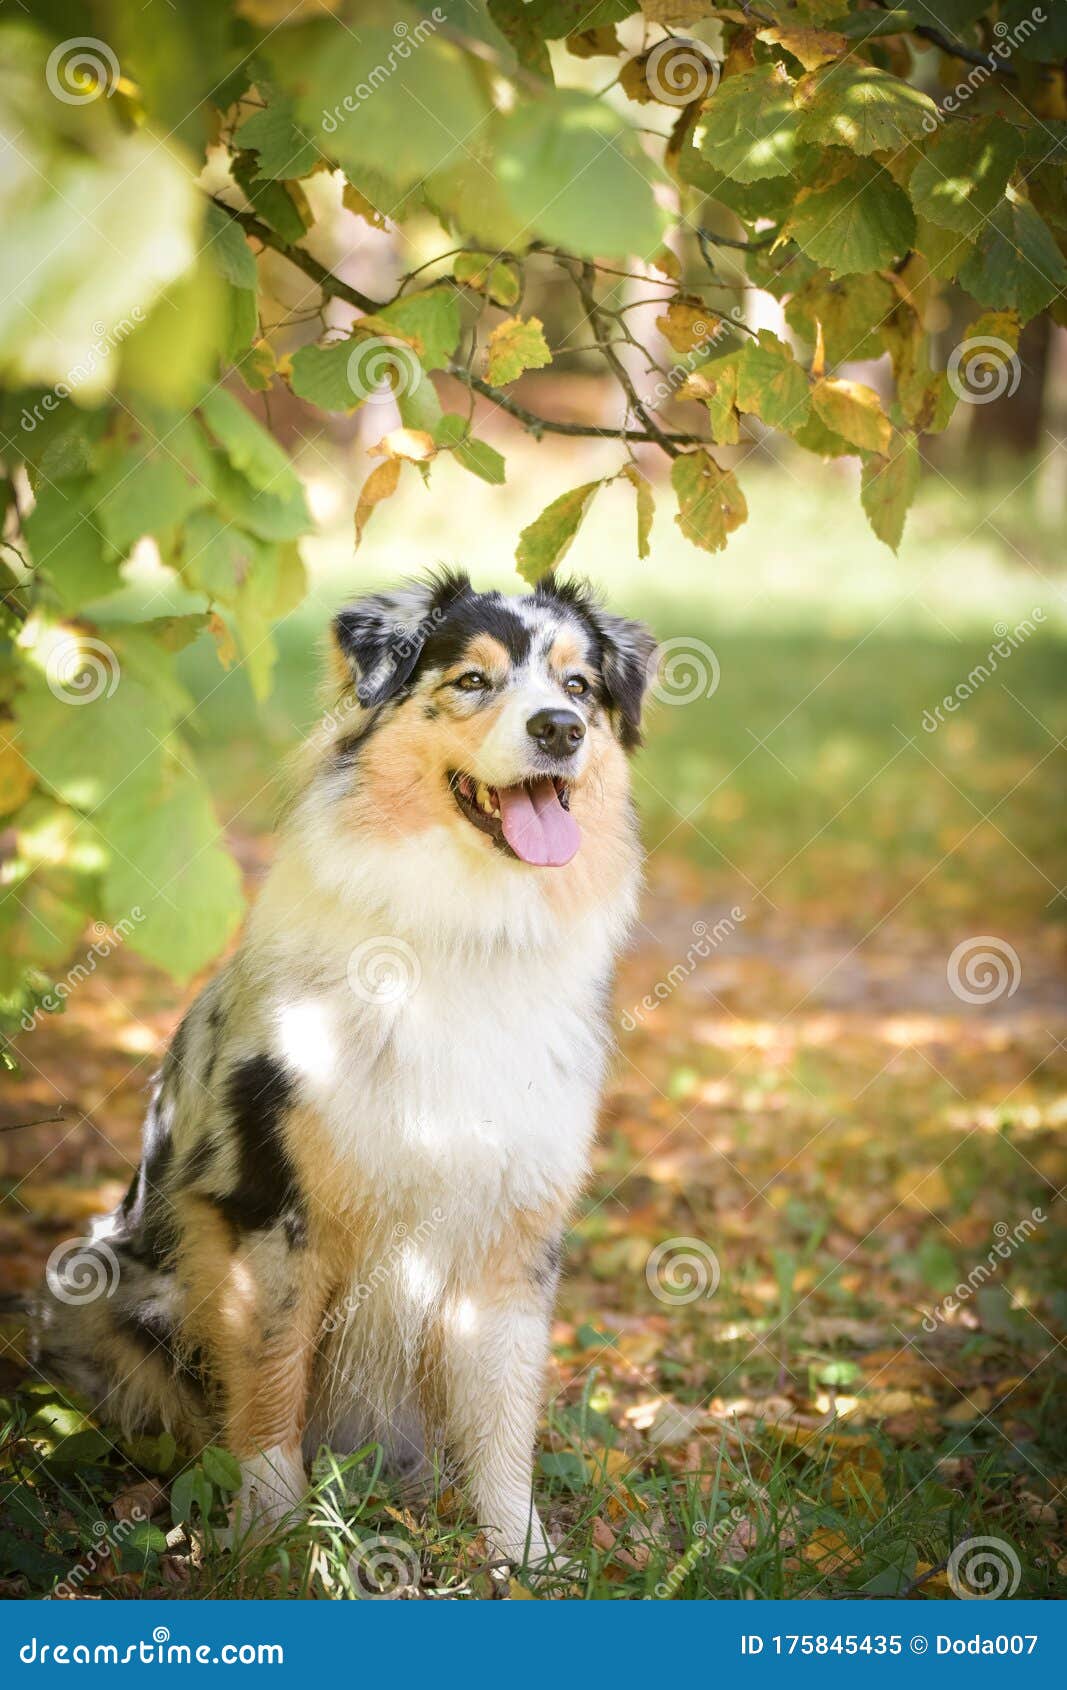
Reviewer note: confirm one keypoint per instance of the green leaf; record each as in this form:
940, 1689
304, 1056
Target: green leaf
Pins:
574, 174
429, 321
191, 1489
515, 346
496, 278
167, 861
282, 205
452, 434
545, 542
228, 249
854, 105
218, 556
771, 384
285, 149
962, 178
321, 374
249, 447
646, 506
565, 1466
103, 731
270, 515
749, 129
710, 502
1017, 264
861, 221
715, 384
222, 1468
66, 543
853, 411
400, 105
146, 492
887, 488
851, 312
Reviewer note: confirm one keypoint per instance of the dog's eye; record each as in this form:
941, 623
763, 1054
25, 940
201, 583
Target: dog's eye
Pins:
576, 685
472, 681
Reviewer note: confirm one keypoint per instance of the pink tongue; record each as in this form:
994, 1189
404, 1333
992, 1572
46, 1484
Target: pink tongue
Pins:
536, 826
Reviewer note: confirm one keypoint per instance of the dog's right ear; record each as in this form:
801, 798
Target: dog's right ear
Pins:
378, 640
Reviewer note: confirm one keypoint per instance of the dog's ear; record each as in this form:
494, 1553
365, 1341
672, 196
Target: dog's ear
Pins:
378, 640
626, 649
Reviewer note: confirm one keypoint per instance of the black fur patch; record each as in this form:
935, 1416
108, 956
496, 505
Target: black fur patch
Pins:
474, 614
152, 1332
258, 1094
149, 1231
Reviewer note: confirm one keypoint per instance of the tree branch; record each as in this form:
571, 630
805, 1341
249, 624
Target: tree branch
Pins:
585, 282
545, 425
327, 281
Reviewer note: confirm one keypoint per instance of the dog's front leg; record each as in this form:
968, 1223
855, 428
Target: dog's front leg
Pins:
495, 1349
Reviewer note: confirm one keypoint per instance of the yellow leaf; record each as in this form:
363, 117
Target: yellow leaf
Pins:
922, 1191
813, 47
854, 411
688, 324
414, 444
380, 484
225, 644
353, 200
666, 262
514, 346
829, 1550
17, 779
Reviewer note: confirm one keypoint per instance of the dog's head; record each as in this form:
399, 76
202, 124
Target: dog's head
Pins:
505, 720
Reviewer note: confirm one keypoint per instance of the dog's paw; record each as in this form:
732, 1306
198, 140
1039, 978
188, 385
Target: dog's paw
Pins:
273, 1484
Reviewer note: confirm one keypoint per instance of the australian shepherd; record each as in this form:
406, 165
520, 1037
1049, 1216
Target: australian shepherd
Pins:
371, 1126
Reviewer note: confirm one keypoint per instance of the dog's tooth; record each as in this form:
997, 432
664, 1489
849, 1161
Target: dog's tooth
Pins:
483, 796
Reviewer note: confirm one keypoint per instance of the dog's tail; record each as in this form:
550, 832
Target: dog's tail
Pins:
103, 1325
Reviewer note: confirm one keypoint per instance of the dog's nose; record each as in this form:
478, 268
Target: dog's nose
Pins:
559, 732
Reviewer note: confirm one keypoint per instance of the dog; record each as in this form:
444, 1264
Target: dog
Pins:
371, 1126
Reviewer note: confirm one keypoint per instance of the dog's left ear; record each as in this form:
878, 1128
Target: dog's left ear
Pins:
626, 651
380, 639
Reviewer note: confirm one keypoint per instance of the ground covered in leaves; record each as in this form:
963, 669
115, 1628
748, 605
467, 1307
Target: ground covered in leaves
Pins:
809, 1340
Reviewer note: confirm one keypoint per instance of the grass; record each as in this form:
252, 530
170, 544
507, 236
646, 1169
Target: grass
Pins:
845, 1139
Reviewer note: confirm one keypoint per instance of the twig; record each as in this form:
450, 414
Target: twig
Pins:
327, 281
45, 1121
585, 282
545, 425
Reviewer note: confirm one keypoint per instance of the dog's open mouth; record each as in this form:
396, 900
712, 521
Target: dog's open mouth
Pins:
531, 820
